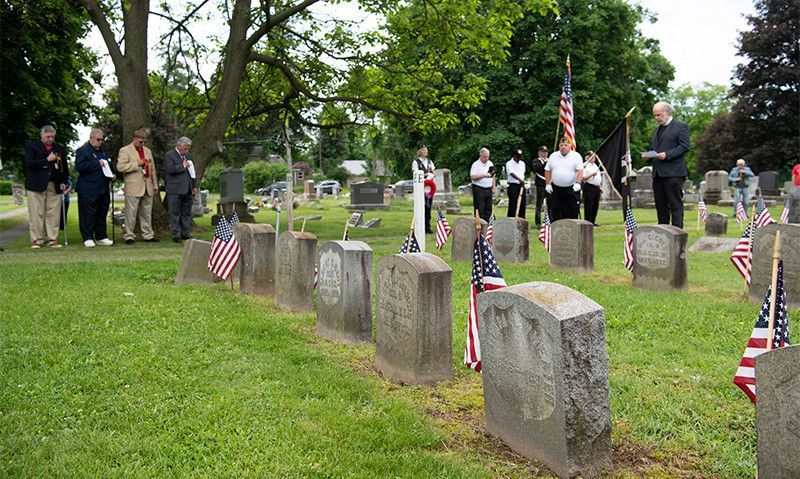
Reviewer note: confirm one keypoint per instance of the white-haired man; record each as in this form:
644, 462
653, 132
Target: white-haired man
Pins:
482, 174
181, 188
670, 142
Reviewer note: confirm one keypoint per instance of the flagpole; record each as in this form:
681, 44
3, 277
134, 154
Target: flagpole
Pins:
410, 233
519, 199
558, 126
776, 256
303, 227
346, 225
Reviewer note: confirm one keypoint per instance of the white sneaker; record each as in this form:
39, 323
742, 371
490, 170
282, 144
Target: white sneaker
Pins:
89, 243
105, 242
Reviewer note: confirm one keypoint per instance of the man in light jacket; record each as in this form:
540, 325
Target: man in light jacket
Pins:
135, 161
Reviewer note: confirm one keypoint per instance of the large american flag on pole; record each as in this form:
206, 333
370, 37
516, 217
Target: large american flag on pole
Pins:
566, 114
702, 209
763, 218
741, 214
745, 376
743, 253
485, 277
225, 250
785, 212
630, 227
443, 230
545, 231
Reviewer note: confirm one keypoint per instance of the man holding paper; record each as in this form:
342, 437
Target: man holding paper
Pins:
94, 194
181, 188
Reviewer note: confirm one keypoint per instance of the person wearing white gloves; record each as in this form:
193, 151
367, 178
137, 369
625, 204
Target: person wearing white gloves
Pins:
563, 175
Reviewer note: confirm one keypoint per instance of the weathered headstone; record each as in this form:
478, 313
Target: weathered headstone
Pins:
194, 263
717, 224
511, 240
366, 195
464, 238
660, 257
309, 190
794, 205
295, 267
414, 325
716, 181
761, 275
768, 183
257, 263
198, 209
17, 191
545, 376
572, 245
642, 188
708, 244
444, 197
778, 412
344, 291
231, 197
356, 219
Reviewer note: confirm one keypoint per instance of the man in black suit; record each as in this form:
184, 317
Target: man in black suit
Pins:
94, 193
670, 143
46, 176
181, 187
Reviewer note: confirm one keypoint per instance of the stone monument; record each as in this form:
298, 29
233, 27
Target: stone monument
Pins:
231, 197
761, 275
716, 181
769, 184
642, 188
194, 263
366, 195
257, 263
309, 190
464, 238
545, 376
511, 240
344, 291
659, 253
794, 205
414, 325
294, 291
717, 224
778, 412
445, 198
572, 245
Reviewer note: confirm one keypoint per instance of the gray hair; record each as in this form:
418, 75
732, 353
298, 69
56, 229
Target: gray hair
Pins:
668, 109
740, 161
183, 141
484, 150
47, 129
96, 131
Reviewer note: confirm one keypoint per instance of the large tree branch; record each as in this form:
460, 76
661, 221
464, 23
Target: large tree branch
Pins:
180, 24
277, 19
99, 19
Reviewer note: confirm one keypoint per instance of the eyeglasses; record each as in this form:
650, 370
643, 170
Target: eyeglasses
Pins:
99, 139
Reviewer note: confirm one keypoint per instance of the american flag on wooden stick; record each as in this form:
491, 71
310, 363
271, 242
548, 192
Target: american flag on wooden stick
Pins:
225, 250
413, 248
486, 276
443, 230
630, 227
745, 376
741, 214
545, 231
566, 115
763, 218
702, 209
743, 253
490, 231
785, 212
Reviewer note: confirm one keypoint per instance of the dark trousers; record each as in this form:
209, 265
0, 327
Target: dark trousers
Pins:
564, 204
514, 191
591, 202
92, 212
668, 193
482, 201
541, 194
180, 213
428, 203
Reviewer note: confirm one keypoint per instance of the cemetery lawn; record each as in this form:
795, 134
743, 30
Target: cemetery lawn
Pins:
109, 370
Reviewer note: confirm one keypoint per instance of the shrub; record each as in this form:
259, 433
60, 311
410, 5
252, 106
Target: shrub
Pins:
5, 187
260, 173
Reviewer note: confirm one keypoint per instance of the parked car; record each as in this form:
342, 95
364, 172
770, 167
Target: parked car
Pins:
275, 187
403, 186
326, 186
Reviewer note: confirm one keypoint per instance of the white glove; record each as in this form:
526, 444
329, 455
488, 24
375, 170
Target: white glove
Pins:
576, 187
548, 189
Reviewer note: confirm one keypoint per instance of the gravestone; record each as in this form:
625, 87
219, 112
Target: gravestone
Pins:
660, 257
464, 238
257, 263
344, 291
366, 195
198, 209
572, 245
511, 240
194, 263
794, 205
778, 412
388, 195
761, 275
642, 188
445, 198
768, 182
708, 244
717, 224
414, 324
716, 181
17, 191
356, 219
295, 268
231, 197
309, 190
545, 376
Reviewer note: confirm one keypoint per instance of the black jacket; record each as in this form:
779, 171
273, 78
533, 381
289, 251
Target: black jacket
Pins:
537, 167
178, 180
39, 172
675, 143
91, 181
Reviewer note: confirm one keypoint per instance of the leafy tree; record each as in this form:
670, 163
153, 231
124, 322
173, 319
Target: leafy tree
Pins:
261, 173
46, 75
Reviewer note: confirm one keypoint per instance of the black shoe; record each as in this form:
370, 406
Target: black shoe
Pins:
177, 240
187, 237
596, 225
129, 241
152, 240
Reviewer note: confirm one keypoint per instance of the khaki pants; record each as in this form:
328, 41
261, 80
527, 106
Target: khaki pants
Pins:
44, 208
141, 207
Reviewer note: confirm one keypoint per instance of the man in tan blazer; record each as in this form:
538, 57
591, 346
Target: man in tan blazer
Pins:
135, 161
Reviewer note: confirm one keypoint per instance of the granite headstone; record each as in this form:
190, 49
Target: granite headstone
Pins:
257, 263
572, 245
717, 224
660, 258
445, 198
295, 268
464, 238
511, 240
194, 263
366, 195
716, 181
761, 275
794, 205
768, 183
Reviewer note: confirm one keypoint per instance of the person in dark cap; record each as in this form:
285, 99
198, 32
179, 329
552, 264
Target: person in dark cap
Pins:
515, 170
425, 165
537, 172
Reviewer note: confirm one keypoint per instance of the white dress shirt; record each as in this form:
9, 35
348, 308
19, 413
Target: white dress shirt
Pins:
516, 167
480, 167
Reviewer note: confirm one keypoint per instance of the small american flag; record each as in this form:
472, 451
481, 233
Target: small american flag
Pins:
443, 230
701, 208
742, 254
745, 376
545, 231
630, 227
316, 276
741, 214
490, 231
565, 114
414, 248
486, 276
225, 250
763, 217
785, 212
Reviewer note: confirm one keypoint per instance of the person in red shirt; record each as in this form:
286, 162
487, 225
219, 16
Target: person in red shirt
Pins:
796, 175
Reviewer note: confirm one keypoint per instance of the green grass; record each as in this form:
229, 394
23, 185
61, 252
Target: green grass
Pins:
109, 370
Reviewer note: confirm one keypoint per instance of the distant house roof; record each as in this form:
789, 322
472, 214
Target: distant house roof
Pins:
355, 167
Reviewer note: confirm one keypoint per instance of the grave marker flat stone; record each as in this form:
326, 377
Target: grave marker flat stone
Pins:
464, 238
257, 263
717, 224
511, 240
572, 245
778, 412
194, 263
294, 291
366, 195
414, 324
344, 291
660, 257
545, 376
708, 244
761, 276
